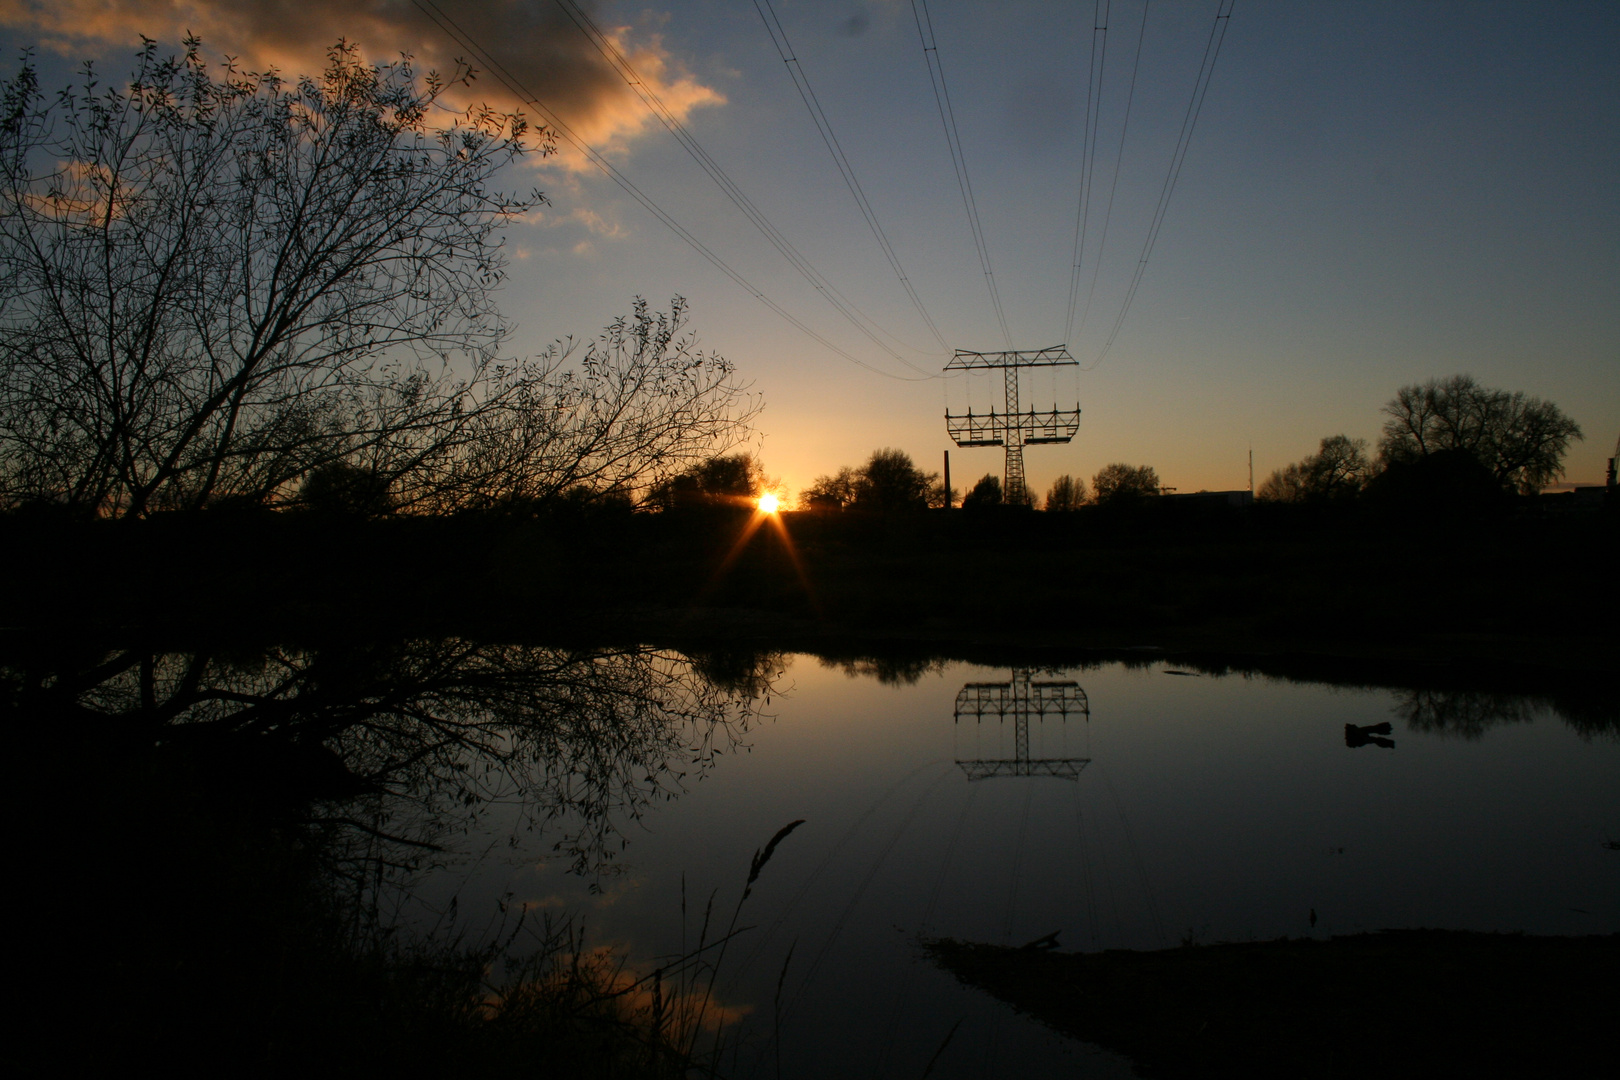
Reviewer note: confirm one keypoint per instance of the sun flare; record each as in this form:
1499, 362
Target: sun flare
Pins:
769, 504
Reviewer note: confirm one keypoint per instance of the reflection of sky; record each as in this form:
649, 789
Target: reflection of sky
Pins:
1227, 809
1376, 194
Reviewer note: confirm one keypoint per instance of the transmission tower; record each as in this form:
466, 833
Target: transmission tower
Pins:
1013, 428
1019, 699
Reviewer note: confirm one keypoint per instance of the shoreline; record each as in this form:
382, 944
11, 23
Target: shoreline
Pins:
1416, 1002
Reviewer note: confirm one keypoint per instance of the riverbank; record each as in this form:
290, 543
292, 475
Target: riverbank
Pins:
1394, 1003
1522, 601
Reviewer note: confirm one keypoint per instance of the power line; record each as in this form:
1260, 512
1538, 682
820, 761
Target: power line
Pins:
1088, 152
947, 116
779, 38
621, 63
461, 37
1119, 157
1206, 71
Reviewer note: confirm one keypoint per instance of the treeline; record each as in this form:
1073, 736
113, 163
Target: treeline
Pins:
1445, 441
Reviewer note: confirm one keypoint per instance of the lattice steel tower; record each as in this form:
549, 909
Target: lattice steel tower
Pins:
1013, 428
1019, 699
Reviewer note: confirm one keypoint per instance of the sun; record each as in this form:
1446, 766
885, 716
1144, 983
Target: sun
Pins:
769, 504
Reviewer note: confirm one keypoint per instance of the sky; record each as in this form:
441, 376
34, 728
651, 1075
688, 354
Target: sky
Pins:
1373, 194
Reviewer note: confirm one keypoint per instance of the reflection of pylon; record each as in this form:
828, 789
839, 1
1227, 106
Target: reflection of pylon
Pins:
1018, 699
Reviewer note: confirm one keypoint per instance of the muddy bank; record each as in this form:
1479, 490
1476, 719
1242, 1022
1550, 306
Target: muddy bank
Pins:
1394, 1003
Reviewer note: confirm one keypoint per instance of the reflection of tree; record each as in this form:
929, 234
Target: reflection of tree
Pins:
1589, 709
1464, 713
404, 742
888, 670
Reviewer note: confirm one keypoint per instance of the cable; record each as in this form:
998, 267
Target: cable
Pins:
860, 891
903, 997
1119, 157
1088, 153
1018, 866
452, 30
1085, 867
801, 81
832, 853
621, 63
947, 116
1136, 856
1206, 71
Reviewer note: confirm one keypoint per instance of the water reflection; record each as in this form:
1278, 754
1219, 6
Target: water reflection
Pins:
888, 670
402, 744
1465, 714
1208, 799
1020, 699
1358, 735
1469, 714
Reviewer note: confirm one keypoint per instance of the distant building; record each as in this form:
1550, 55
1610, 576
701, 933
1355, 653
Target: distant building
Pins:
1590, 496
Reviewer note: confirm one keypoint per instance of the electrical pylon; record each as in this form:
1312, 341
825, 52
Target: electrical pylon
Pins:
1019, 699
1014, 428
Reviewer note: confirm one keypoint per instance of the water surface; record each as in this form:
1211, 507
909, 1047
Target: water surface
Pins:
1141, 807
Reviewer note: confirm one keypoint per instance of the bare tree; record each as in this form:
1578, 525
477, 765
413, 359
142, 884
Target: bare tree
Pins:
1120, 483
216, 286
1520, 439
833, 491
1339, 469
643, 404
1067, 493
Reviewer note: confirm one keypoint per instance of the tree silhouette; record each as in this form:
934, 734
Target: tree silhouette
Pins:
984, 494
1520, 440
1340, 469
890, 480
730, 479
1119, 483
1066, 493
832, 492
217, 285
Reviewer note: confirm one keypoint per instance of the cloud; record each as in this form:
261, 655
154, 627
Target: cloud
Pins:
536, 42
597, 224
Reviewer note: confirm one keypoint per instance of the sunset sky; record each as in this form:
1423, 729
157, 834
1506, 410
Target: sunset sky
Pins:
1374, 194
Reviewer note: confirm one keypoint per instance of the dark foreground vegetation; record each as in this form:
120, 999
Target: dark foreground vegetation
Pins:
218, 842
197, 928
1524, 587
1394, 1003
